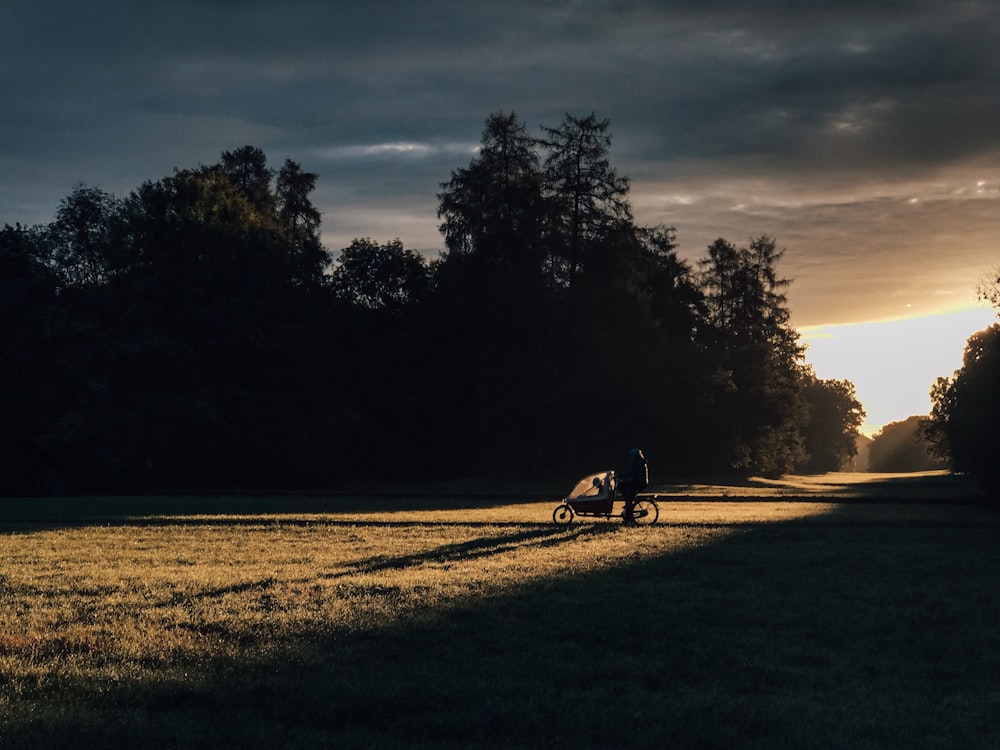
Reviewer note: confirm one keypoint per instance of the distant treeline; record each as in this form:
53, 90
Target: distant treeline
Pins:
903, 447
197, 335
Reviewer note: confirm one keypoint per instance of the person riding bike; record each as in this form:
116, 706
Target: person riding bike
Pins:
632, 481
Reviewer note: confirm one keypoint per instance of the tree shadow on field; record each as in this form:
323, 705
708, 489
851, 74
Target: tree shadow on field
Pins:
929, 487
920, 487
774, 636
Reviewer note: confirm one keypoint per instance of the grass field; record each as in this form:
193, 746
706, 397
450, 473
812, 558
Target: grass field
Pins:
409, 622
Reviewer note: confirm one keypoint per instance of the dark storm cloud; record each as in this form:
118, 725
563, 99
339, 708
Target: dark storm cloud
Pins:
798, 119
822, 89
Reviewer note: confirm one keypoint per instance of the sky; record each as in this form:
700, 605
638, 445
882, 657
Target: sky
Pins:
894, 363
863, 135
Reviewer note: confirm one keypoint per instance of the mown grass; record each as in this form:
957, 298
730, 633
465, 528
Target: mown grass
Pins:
750, 624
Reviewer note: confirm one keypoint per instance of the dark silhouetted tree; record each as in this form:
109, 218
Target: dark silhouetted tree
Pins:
903, 447
380, 277
759, 405
665, 367
965, 414
196, 335
668, 282
246, 168
391, 379
488, 320
32, 372
81, 242
493, 209
198, 356
988, 289
299, 220
830, 433
590, 201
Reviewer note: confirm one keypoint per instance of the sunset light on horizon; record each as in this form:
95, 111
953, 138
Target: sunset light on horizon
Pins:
894, 363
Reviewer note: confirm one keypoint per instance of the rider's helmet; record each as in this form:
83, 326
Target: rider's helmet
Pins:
635, 453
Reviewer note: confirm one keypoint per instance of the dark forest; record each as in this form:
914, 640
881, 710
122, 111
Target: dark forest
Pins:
196, 335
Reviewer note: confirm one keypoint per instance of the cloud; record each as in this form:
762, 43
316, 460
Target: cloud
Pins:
396, 150
856, 132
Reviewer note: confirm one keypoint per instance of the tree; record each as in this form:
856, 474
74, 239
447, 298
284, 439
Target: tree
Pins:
296, 212
625, 343
758, 401
902, 447
190, 336
988, 289
489, 320
390, 380
831, 432
299, 220
965, 413
744, 296
590, 201
246, 168
493, 209
228, 317
227, 214
31, 371
380, 277
203, 353
81, 240
676, 301
25, 275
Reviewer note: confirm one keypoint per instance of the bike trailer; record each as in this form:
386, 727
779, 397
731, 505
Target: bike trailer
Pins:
594, 493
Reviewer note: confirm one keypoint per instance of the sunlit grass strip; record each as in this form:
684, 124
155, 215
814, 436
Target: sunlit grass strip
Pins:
124, 609
672, 513
522, 514
135, 596
728, 616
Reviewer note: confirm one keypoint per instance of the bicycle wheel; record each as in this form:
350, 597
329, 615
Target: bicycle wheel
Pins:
562, 515
646, 512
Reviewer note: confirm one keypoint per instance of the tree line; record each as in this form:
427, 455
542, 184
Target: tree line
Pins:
901, 447
963, 428
196, 334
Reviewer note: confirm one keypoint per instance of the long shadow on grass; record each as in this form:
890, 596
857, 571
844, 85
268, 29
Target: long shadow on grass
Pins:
476, 548
779, 636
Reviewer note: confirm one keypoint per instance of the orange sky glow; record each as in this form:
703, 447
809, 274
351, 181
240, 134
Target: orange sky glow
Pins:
894, 363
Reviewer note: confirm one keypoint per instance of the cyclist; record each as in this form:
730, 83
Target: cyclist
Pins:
632, 481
